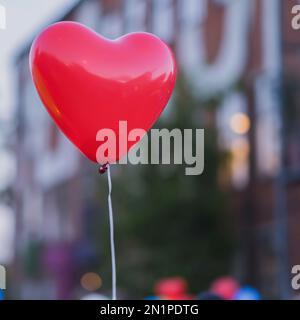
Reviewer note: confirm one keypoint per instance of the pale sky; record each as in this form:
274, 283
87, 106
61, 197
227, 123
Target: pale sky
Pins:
23, 19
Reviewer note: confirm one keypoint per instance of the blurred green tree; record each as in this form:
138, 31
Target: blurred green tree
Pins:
168, 223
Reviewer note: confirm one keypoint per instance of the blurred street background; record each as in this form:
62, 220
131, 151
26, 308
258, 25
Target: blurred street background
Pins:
239, 79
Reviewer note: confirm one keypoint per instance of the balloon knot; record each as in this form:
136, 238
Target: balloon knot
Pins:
103, 168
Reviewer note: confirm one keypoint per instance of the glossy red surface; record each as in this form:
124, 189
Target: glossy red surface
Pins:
88, 82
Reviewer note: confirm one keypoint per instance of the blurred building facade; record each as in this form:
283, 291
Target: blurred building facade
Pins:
229, 49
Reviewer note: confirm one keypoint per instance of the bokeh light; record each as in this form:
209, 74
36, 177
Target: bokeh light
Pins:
240, 123
91, 281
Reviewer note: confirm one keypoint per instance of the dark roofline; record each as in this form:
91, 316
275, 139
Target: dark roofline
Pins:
24, 51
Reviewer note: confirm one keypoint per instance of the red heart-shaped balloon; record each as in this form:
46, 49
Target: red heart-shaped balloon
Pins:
88, 82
